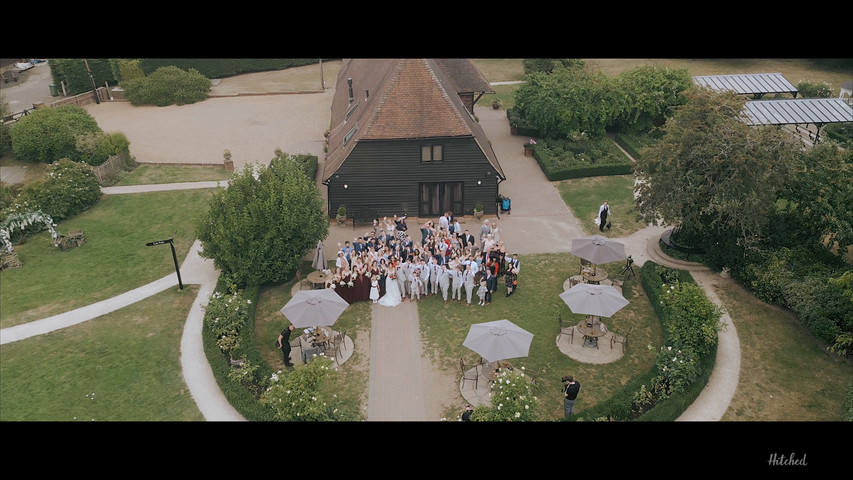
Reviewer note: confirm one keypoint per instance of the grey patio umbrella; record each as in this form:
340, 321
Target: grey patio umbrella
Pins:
598, 249
597, 300
314, 308
498, 340
320, 262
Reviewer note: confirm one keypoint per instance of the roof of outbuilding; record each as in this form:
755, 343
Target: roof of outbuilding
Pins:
816, 111
397, 99
747, 84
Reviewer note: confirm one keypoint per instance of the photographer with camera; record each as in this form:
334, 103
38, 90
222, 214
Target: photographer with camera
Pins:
570, 392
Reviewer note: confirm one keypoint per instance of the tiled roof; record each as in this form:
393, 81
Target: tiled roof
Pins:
465, 75
400, 99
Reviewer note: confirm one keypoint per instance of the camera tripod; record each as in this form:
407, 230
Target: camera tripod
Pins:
629, 266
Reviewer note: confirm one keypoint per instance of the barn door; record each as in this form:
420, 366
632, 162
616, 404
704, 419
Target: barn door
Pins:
439, 197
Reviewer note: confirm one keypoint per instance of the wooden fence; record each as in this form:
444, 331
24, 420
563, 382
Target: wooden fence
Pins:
107, 171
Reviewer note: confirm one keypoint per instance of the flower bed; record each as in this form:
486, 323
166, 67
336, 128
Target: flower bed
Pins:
581, 157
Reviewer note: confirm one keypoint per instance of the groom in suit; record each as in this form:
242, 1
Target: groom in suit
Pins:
468, 240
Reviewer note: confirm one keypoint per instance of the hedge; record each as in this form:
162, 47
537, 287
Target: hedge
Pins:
619, 407
238, 396
225, 67
565, 159
632, 144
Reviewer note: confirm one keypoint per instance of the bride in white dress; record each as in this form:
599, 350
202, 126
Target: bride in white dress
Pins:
392, 291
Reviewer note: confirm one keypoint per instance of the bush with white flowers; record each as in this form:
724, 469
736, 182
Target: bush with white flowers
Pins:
512, 399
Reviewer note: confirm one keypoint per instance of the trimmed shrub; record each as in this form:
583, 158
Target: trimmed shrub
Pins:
49, 134
95, 148
167, 86
68, 189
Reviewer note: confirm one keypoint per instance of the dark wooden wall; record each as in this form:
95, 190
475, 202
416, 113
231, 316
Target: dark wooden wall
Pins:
385, 176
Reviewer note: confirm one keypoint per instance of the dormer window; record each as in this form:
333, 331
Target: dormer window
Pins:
432, 153
349, 134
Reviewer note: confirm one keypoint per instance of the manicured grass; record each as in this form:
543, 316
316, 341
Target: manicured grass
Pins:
156, 174
785, 374
113, 260
585, 195
534, 307
121, 367
351, 379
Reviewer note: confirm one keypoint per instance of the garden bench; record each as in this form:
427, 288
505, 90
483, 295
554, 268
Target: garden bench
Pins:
10, 75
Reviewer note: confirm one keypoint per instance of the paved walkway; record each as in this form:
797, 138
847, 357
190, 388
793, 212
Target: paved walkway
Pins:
540, 223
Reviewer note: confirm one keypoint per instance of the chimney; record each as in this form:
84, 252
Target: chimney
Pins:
351, 96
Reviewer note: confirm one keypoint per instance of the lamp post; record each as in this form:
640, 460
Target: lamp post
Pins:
92, 79
171, 243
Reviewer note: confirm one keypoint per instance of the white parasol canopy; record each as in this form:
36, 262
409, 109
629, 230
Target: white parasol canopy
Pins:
314, 308
598, 300
498, 340
598, 249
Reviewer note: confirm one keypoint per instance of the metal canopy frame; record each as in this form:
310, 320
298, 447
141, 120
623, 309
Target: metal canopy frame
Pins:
804, 111
755, 84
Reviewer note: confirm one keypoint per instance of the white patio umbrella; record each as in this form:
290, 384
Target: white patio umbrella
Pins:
320, 262
314, 308
596, 300
598, 249
498, 340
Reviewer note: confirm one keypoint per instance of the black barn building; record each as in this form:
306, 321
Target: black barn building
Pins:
403, 140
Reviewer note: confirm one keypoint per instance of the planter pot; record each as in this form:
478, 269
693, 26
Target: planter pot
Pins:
229, 165
341, 219
478, 214
513, 130
528, 151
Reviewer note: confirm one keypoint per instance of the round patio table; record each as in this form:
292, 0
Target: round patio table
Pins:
592, 333
596, 278
317, 279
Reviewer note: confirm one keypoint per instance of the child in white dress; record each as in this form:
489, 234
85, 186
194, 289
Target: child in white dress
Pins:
374, 288
481, 292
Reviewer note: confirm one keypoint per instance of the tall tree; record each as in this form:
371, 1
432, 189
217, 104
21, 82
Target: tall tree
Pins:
650, 94
819, 196
258, 229
566, 101
712, 172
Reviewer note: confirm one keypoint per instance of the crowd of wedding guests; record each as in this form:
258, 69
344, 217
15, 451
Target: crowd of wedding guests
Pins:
387, 266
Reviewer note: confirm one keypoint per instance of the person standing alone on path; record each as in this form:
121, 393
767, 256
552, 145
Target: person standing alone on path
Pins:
570, 392
284, 344
603, 213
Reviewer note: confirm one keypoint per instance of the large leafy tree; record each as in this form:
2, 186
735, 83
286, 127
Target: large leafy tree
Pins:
650, 94
48, 134
712, 172
567, 101
258, 229
818, 198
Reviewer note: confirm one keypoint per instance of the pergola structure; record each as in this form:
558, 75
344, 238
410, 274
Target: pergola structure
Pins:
795, 111
803, 111
755, 84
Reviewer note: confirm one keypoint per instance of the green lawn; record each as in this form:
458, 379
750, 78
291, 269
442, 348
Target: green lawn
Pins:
124, 366
585, 195
113, 260
535, 307
786, 374
156, 174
